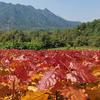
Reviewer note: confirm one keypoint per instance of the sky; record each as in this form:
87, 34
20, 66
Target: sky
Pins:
74, 10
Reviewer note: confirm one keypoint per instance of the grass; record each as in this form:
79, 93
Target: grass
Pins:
76, 48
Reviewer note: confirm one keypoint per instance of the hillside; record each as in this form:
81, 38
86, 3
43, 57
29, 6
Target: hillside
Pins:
90, 27
27, 17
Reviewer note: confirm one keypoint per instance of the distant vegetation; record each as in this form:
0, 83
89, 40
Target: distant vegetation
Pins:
87, 34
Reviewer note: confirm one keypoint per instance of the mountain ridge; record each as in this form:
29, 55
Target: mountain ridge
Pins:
27, 17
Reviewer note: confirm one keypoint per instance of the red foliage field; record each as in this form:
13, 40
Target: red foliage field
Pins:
49, 75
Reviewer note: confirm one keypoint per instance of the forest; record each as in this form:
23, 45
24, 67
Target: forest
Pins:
84, 35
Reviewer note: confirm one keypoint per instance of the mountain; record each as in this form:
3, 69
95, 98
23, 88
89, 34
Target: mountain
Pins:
27, 17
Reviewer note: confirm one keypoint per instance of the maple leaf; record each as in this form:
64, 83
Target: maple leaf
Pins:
4, 90
93, 93
80, 73
32, 88
96, 71
57, 67
21, 73
85, 76
50, 78
36, 76
4, 71
39, 95
74, 94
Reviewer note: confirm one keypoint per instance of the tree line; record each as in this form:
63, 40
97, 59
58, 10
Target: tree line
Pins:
87, 34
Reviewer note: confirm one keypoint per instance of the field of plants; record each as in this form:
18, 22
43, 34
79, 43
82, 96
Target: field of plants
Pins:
49, 75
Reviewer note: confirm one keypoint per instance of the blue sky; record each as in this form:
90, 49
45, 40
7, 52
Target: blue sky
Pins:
76, 10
